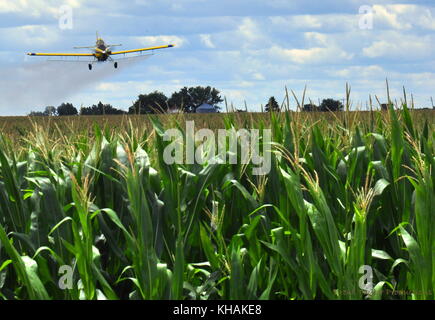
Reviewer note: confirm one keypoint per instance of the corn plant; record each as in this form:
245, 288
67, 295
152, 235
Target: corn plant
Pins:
344, 191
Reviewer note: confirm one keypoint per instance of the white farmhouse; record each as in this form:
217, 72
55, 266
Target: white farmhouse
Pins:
206, 108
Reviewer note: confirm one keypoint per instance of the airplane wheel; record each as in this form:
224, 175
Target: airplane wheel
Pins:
90, 66
116, 65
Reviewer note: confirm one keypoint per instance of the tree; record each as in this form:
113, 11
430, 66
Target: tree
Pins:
155, 102
66, 109
310, 108
100, 109
272, 105
181, 100
331, 105
202, 95
36, 114
50, 111
189, 99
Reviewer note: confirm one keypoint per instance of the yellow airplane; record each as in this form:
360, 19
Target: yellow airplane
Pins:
101, 52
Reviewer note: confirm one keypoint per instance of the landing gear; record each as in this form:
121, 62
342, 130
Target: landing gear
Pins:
90, 66
116, 65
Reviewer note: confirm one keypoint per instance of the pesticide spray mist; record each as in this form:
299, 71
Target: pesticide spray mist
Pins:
33, 86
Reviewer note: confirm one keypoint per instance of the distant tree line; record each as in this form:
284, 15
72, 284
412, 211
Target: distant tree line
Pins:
325, 106
100, 109
68, 109
185, 100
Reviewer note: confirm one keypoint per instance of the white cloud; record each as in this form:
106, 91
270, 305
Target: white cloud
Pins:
111, 86
31, 36
318, 38
390, 14
36, 8
161, 40
206, 40
249, 30
401, 46
357, 72
403, 16
258, 76
312, 55
316, 22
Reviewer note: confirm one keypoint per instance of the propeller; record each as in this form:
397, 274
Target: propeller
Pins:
107, 51
108, 48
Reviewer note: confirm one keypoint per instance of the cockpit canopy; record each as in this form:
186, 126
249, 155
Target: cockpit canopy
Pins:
100, 44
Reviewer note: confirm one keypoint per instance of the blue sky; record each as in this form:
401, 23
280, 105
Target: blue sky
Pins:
248, 49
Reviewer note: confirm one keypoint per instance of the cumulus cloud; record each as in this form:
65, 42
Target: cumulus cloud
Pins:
404, 16
206, 40
30, 36
258, 76
324, 22
365, 72
402, 46
161, 40
36, 8
311, 55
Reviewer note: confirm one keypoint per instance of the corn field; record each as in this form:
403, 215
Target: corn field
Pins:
344, 194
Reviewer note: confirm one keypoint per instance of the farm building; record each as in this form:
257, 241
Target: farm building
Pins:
206, 108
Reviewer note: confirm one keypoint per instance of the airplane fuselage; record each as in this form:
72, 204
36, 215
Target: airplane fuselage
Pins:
101, 52
101, 56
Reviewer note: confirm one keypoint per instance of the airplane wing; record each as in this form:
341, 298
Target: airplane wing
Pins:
142, 49
62, 54
134, 57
